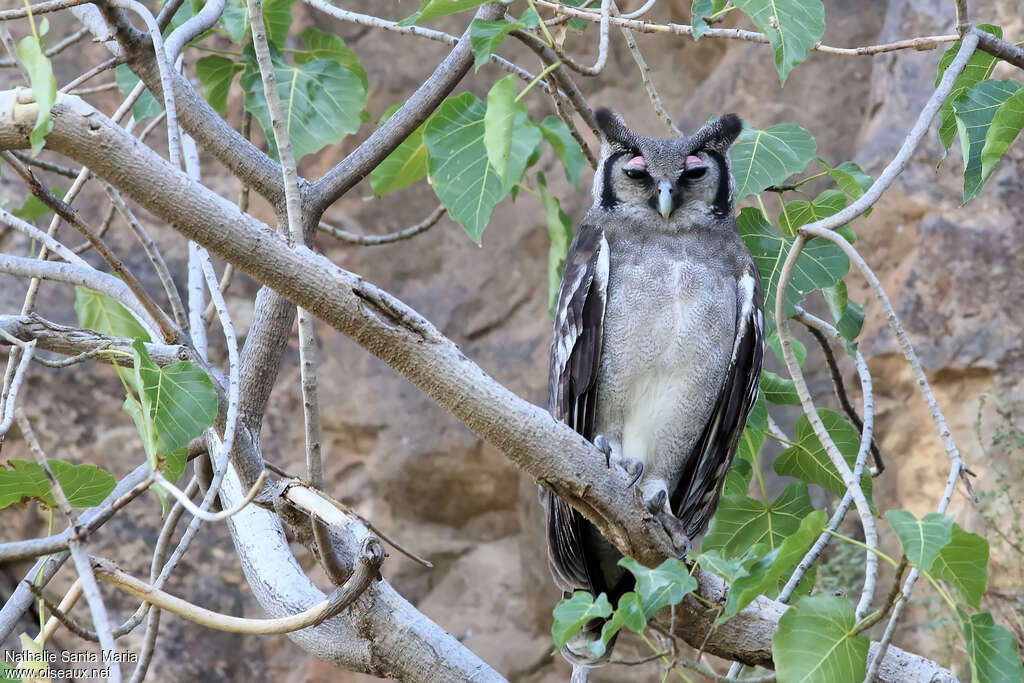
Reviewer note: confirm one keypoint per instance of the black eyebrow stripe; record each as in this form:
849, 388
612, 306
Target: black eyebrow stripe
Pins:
721, 204
608, 198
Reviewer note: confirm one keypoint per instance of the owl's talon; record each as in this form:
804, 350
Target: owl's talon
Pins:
638, 470
657, 503
602, 445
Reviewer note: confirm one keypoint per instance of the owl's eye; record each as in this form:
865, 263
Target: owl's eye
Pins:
694, 169
636, 168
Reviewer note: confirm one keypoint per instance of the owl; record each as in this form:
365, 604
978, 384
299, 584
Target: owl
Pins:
657, 347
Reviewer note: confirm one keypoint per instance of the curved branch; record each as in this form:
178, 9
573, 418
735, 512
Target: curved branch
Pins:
369, 562
374, 240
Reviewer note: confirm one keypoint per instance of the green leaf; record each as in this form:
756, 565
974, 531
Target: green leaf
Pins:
741, 522
628, 613
974, 114
99, 312
485, 36
758, 418
464, 181
760, 572
560, 232
778, 390
816, 642
737, 479
848, 315
235, 20
568, 150
33, 208
964, 563
761, 158
801, 212
921, 539
432, 9
992, 650
44, 86
821, 263
808, 461
571, 614
146, 105
181, 400
322, 45
499, 121
666, 584
277, 17
979, 67
1005, 127
404, 166
853, 181
216, 74
322, 101
792, 27
84, 485
700, 10
23, 480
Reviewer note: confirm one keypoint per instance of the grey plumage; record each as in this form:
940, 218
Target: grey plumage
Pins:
657, 344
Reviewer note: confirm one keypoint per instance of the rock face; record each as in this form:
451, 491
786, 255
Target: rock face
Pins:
954, 275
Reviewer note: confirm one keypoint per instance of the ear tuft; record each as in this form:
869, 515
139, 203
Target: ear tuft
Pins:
730, 125
612, 127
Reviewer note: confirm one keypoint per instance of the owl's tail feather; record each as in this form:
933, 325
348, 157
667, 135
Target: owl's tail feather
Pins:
578, 653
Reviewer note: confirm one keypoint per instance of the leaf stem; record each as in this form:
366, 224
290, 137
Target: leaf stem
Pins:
543, 26
855, 542
548, 69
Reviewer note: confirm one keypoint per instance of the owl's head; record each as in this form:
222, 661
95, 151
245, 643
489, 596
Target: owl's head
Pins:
666, 177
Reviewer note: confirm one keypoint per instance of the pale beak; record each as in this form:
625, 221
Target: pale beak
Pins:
665, 198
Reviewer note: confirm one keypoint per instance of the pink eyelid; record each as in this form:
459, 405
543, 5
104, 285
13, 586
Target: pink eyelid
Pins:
637, 163
693, 161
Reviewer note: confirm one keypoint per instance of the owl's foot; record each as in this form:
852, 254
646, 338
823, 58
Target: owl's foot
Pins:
632, 467
655, 495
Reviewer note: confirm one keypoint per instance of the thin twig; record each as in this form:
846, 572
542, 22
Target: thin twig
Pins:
112, 85
370, 557
921, 43
45, 165
11, 396
369, 525
108, 219
645, 75
106, 65
374, 240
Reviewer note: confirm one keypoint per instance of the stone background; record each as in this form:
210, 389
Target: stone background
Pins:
954, 274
